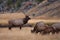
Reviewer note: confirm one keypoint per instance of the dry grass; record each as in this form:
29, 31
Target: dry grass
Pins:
46, 21
4, 18
12, 16
25, 33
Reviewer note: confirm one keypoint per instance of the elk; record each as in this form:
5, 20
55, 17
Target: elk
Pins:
18, 22
56, 27
39, 27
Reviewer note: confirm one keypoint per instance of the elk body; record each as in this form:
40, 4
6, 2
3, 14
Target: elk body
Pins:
18, 22
39, 27
48, 30
56, 27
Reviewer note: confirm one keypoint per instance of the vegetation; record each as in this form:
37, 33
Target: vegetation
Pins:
13, 5
39, 0
15, 2
0, 1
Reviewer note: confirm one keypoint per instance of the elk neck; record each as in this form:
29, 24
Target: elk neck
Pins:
25, 20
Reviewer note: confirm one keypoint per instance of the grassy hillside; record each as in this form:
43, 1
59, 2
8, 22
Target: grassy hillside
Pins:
46, 10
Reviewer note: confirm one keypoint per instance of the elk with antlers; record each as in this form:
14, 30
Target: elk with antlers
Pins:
18, 22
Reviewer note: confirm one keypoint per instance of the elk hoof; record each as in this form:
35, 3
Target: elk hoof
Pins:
9, 28
32, 31
20, 28
36, 31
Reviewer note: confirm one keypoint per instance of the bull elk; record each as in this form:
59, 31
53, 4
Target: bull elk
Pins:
18, 22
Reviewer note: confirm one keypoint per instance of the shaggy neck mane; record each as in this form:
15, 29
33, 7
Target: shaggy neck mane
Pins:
25, 20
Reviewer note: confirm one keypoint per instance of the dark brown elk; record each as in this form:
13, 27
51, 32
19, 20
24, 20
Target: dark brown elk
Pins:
18, 22
56, 27
48, 30
39, 27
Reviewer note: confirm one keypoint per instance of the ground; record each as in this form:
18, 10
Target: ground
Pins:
25, 34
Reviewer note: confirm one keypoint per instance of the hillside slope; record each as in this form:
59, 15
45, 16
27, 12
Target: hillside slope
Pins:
46, 10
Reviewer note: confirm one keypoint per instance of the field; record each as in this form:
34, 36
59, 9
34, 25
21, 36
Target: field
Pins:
25, 32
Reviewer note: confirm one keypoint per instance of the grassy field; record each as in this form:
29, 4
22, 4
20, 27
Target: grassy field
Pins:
4, 18
25, 32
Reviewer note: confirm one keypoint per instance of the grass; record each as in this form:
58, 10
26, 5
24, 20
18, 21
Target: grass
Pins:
24, 33
4, 18
11, 16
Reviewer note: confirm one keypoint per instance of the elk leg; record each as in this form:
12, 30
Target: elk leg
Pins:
36, 31
20, 27
53, 32
33, 30
57, 31
10, 27
44, 32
